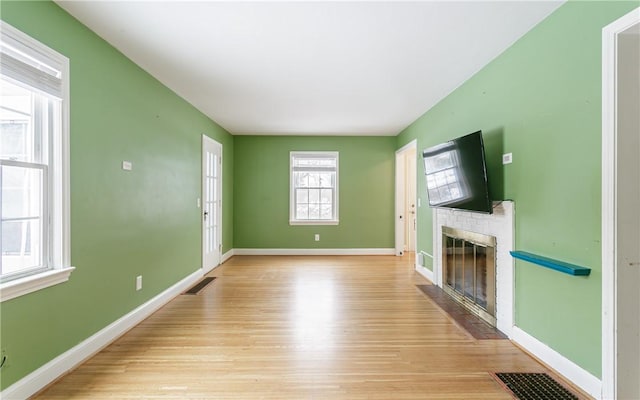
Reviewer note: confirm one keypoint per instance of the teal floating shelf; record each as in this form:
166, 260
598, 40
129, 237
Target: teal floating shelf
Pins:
561, 266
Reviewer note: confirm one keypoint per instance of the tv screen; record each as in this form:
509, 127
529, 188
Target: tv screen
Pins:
457, 175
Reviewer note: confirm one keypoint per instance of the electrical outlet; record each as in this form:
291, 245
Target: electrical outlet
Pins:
138, 282
127, 165
317, 237
507, 158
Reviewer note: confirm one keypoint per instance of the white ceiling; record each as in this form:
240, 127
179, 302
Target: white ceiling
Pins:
338, 68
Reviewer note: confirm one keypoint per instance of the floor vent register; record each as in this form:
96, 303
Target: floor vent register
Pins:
197, 288
534, 386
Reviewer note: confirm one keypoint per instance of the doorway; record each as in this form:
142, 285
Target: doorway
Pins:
406, 211
620, 214
211, 203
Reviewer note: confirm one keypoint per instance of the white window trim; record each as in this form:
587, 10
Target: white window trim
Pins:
28, 284
314, 222
292, 220
59, 243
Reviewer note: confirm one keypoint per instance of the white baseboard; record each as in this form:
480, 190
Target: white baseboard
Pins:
573, 372
223, 258
227, 256
314, 252
426, 272
38, 379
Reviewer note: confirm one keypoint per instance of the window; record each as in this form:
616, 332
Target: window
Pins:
314, 188
34, 166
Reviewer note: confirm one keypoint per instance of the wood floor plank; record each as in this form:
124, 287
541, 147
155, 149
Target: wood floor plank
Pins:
338, 327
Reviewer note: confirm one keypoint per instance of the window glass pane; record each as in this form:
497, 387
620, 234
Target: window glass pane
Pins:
314, 211
314, 195
326, 211
314, 180
326, 196
326, 180
302, 211
21, 244
21, 192
301, 179
13, 137
302, 196
22, 217
16, 122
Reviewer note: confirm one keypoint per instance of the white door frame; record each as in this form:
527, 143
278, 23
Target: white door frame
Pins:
208, 265
609, 210
400, 198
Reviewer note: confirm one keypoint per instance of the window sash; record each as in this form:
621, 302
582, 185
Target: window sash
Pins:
43, 262
317, 203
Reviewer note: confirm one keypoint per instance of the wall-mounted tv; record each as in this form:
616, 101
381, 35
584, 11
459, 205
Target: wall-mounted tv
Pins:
456, 174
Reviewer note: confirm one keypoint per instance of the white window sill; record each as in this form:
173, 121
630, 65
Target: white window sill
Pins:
28, 284
314, 222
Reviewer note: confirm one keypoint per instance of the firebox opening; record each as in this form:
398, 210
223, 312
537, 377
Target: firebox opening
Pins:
469, 261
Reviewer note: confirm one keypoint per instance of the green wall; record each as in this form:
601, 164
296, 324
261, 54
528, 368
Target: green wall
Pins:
541, 100
123, 224
366, 193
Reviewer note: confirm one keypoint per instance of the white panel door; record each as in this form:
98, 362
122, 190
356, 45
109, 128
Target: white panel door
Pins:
405, 195
411, 221
211, 203
400, 203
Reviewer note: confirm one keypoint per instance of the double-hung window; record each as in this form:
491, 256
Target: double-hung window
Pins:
314, 188
34, 164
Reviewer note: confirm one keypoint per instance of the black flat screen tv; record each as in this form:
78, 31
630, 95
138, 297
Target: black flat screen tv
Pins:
456, 174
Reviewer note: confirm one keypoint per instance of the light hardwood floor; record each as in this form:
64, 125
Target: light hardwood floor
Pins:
343, 327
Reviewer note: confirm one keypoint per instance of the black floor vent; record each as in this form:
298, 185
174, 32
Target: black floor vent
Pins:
534, 386
200, 285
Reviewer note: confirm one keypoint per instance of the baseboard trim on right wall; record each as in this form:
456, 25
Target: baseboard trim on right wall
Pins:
567, 368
